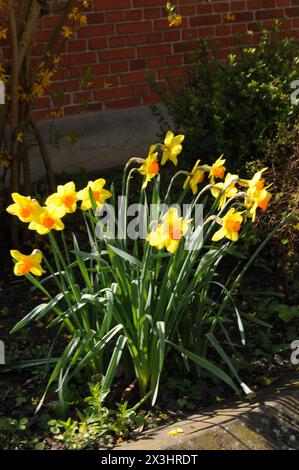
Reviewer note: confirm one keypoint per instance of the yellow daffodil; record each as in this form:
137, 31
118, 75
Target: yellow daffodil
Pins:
25, 208
49, 218
231, 224
217, 170
256, 182
99, 193
172, 147
150, 167
169, 233
65, 197
26, 264
257, 199
227, 188
196, 177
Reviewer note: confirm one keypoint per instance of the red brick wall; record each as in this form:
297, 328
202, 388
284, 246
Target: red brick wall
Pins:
124, 40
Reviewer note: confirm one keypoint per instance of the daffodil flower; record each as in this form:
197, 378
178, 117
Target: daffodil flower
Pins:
25, 208
227, 189
64, 197
150, 166
257, 199
26, 264
169, 233
217, 170
256, 182
49, 218
231, 224
99, 193
172, 147
196, 177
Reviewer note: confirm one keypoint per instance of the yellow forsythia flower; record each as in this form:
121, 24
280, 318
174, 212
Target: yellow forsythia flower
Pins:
175, 432
231, 224
227, 188
172, 147
3, 33
27, 264
170, 232
66, 32
150, 167
197, 176
25, 208
217, 170
99, 193
65, 197
175, 20
48, 219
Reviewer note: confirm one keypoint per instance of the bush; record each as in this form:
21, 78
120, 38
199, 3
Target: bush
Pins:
233, 107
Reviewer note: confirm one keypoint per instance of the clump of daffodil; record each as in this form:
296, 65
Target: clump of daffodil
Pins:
100, 194
226, 189
65, 197
25, 208
49, 218
196, 178
217, 170
26, 264
150, 167
172, 147
169, 233
230, 226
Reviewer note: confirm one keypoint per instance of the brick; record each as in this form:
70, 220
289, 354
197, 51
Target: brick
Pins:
154, 62
79, 59
121, 92
82, 96
176, 59
148, 51
117, 67
243, 16
97, 43
117, 54
133, 77
268, 14
136, 39
131, 15
204, 9
135, 27
146, 3
292, 11
174, 35
140, 89
102, 95
124, 103
205, 20
151, 13
220, 7
138, 64
79, 45
111, 4
151, 99
114, 16
95, 18
154, 38
94, 31
118, 41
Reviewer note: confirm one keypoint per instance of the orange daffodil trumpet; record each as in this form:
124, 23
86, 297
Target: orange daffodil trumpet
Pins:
150, 167
49, 218
26, 264
217, 170
100, 194
169, 233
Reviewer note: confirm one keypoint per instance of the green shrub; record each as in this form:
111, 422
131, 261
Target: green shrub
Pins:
233, 107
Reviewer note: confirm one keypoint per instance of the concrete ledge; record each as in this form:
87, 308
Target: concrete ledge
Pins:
271, 421
106, 139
